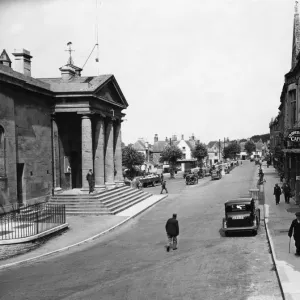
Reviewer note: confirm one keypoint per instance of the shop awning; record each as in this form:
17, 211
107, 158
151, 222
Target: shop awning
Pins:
291, 150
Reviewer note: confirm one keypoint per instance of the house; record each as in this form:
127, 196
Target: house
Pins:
186, 146
53, 130
215, 152
146, 149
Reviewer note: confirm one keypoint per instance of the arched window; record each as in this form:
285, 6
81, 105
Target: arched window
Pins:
2, 152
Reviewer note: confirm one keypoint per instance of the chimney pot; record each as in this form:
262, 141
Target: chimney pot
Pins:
22, 61
156, 138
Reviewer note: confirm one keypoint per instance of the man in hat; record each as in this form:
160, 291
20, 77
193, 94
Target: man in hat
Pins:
91, 181
296, 227
277, 193
172, 229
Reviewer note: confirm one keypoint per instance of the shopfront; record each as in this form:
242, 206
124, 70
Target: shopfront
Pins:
292, 162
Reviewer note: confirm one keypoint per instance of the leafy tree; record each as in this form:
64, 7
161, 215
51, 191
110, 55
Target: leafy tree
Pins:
130, 159
250, 147
231, 150
170, 154
199, 152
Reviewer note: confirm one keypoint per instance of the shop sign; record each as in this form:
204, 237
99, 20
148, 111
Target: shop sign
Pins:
294, 136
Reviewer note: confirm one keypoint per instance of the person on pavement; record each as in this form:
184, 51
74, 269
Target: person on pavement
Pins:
164, 187
172, 229
295, 226
90, 179
161, 177
286, 192
277, 193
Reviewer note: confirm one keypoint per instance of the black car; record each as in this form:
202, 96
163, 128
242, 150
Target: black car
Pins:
241, 215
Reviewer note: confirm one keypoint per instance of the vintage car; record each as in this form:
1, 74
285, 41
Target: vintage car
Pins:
191, 179
216, 174
241, 214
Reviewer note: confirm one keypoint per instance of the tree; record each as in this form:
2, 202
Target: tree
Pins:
132, 158
231, 150
170, 154
199, 152
250, 147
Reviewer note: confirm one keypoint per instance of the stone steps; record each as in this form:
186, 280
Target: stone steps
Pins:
102, 203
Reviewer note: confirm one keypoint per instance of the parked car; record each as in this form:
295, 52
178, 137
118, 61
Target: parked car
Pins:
216, 174
241, 214
186, 172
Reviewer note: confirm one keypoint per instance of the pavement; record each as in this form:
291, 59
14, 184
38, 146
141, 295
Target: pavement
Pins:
278, 219
82, 229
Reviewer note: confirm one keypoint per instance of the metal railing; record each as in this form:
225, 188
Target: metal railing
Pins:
30, 220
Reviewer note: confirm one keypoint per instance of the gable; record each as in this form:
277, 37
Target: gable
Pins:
111, 93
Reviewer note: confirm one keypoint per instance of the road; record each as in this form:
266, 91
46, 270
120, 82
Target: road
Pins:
131, 263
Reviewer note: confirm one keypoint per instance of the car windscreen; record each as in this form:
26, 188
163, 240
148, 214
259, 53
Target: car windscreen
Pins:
238, 207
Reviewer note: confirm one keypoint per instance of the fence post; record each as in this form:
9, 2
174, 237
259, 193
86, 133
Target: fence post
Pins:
37, 221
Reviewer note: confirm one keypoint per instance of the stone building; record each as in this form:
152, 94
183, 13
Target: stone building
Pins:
285, 127
53, 130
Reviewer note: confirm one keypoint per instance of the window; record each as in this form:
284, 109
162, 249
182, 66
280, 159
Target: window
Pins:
184, 156
2, 152
293, 106
216, 153
183, 148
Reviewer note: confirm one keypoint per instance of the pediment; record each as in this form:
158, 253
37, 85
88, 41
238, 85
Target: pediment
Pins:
111, 93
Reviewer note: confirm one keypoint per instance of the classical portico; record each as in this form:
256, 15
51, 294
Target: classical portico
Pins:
86, 130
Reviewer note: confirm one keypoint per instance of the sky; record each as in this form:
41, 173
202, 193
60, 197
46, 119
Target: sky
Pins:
212, 68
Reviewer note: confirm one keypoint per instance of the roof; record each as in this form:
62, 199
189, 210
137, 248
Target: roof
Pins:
4, 56
7, 74
211, 144
239, 200
139, 145
77, 83
159, 146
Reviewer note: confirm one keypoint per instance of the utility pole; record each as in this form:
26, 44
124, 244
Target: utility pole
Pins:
219, 149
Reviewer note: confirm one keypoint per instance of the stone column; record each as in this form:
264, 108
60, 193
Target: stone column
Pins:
55, 156
99, 154
86, 148
118, 154
109, 155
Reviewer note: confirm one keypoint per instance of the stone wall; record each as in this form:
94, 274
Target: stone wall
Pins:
8, 189
25, 117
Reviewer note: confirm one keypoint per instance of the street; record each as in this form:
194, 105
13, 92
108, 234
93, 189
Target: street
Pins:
131, 262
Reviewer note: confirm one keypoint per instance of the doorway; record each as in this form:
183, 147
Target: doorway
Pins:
76, 168
20, 171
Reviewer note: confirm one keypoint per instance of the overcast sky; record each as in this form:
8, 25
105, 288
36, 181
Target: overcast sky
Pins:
214, 68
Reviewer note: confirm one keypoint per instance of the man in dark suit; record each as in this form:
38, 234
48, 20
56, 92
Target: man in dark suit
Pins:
172, 229
295, 226
91, 181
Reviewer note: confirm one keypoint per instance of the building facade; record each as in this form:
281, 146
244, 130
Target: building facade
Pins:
53, 130
285, 127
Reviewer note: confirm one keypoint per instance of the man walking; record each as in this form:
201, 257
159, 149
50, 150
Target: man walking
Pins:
172, 229
286, 192
296, 227
163, 187
90, 179
277, 193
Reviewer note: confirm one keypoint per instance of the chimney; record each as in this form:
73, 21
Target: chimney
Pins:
4, 59
174, 138
167, 140
155, 138
23, 61
182, 137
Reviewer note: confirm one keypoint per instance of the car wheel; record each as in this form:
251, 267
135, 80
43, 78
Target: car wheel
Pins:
226, 233
254, 232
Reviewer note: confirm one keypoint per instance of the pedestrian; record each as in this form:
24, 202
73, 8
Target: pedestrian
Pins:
90, 179
277, 193
295, 226
161, 177
286, 192
163, 187
172, 229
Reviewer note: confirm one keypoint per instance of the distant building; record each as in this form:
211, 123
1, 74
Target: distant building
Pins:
215, 152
